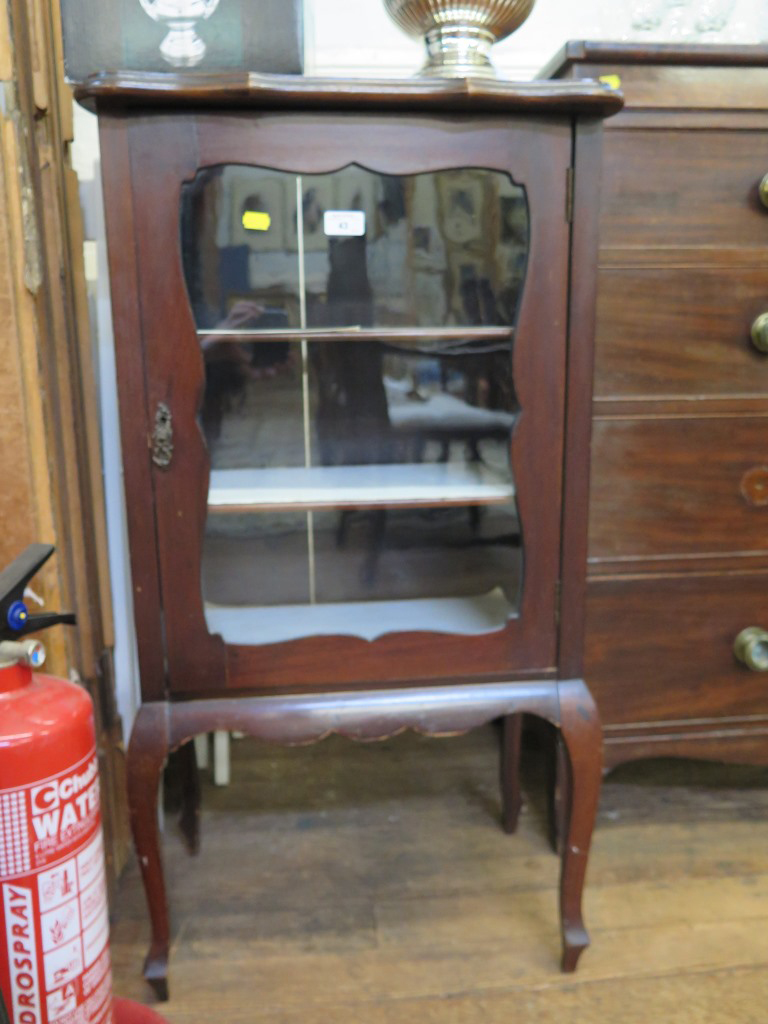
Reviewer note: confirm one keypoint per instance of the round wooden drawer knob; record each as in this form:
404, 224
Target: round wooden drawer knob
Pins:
759, 333
754, 486
751, 648
762, 190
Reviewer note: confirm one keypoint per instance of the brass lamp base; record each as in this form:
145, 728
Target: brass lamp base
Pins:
459, 34
459, 52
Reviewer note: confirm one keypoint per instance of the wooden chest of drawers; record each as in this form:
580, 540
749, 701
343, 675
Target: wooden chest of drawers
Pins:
679, 493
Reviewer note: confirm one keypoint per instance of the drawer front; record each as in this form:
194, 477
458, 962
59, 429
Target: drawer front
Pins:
678, 189
662, 649
679, 331
670, 86
685, 486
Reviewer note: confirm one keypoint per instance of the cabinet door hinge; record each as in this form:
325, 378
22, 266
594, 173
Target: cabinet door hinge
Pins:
569, 195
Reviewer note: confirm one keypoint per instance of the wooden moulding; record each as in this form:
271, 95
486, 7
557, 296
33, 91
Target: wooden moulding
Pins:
197, 89
734, 742
364, 716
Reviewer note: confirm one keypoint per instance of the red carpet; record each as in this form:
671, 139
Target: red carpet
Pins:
127, 1012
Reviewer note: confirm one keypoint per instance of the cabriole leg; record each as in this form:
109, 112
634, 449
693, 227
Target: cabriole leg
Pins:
582, 742
147, 753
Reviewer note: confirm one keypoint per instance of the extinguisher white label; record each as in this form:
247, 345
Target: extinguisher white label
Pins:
22, 953
54, 899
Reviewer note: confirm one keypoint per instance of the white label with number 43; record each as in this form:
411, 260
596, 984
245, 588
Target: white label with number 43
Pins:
345, 223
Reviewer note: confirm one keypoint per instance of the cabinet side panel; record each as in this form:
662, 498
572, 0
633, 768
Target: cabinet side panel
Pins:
139, 497
581, 329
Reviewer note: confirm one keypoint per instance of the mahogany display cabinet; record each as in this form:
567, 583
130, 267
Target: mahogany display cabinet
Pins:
354, 345
677, 623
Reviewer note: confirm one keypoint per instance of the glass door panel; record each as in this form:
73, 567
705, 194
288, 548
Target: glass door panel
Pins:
357, 335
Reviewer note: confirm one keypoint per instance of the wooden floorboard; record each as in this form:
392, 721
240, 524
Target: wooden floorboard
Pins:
372, 884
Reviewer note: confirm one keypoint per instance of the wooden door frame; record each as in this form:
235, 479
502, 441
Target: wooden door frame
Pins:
51, 458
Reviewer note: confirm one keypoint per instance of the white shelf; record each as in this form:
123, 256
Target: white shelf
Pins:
465, 616
357, 333
358, 486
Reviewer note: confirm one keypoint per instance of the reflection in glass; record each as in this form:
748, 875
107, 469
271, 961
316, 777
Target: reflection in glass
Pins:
440, 249
359, 485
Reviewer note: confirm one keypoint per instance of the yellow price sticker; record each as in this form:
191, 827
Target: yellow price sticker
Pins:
613, 80
256, 220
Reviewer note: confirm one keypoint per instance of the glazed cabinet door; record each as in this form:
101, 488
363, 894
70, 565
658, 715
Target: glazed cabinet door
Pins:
354, 340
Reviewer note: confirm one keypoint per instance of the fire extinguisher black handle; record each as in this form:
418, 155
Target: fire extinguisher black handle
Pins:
15, 620
34, 623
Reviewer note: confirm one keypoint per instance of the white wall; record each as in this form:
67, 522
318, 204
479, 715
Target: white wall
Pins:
358, 39
354, 39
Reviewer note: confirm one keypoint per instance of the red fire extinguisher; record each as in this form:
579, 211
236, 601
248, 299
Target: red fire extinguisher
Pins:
54, 929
